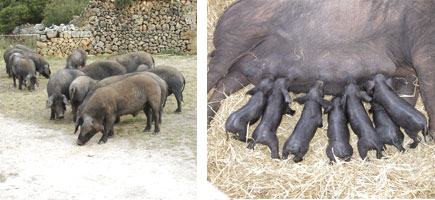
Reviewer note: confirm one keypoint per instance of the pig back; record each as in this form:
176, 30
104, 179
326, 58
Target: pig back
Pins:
127, 96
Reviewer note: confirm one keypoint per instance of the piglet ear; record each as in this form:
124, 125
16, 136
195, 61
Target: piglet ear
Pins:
301, 100
365, 97
327, 105
287, 97
369, 86
252, 91
289, 111
343, 102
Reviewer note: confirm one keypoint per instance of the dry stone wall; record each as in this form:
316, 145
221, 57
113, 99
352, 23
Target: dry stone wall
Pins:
152, 26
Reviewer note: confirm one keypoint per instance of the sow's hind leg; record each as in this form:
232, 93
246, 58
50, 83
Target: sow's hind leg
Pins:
231, 83
423, 61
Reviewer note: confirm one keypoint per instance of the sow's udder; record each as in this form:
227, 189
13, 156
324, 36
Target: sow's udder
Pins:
334, 65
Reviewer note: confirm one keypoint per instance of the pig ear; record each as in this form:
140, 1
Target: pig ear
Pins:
325, 104
287, 97
301, 100
343, 102
49, 102
79, 122
289, 111
369, 86
65, 100
97, 126
365, 97
252, 91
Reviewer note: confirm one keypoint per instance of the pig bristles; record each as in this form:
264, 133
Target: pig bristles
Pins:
240, 172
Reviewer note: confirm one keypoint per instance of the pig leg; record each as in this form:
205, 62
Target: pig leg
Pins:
242, 134
423, 61
271, 142
156, 115
178, 98
74, 112
414, 136
362, 149
233, 82
52, 114
399, 147
15, 83
379, 152
398, 144
108, 129
20, 82
147, 111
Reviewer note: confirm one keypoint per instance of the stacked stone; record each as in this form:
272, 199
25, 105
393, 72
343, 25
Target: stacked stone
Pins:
152, 26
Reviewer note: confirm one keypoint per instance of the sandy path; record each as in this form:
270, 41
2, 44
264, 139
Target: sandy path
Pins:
38, 163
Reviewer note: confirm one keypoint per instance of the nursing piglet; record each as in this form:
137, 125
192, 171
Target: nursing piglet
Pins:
338, 133
401, 112
299, 141
360, 121
388, 131
251, 112
277, 104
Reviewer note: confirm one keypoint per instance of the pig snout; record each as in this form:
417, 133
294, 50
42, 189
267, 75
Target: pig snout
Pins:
80, 142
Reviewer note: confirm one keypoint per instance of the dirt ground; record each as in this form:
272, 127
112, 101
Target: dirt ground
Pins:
40, 159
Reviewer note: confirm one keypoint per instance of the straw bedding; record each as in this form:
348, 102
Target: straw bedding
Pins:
243, 173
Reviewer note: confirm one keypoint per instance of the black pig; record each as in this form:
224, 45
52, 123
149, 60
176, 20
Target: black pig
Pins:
58, 91
401, 112
299, 141
338, 133
251, 112
277, 104
388, 131
127, 96
360, 121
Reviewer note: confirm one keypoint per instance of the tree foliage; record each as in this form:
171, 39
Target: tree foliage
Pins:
17, 12
62, 11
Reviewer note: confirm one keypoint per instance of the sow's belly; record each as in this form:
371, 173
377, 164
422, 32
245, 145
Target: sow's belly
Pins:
335, 65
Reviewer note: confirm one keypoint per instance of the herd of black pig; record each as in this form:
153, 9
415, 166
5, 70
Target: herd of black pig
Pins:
270, 100
99, 92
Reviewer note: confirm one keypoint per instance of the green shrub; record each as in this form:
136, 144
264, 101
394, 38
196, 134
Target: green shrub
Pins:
14, 13
62, 11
